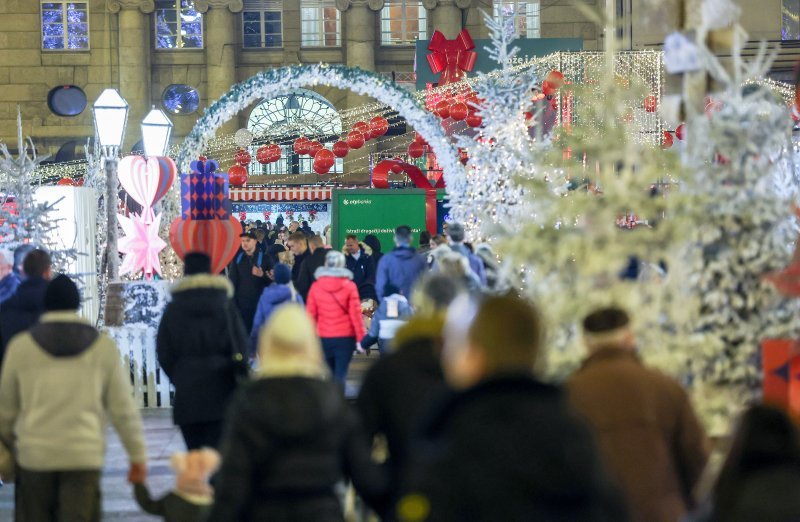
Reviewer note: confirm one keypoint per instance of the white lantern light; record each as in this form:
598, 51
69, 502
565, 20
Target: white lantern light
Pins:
156, 129
110, 115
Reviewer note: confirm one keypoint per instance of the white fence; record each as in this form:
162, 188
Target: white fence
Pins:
137, 348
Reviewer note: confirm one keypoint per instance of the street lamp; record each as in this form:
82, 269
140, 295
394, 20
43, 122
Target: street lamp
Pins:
110, 116
156, 129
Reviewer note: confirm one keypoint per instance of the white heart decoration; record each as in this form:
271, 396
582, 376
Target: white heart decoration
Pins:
140, 179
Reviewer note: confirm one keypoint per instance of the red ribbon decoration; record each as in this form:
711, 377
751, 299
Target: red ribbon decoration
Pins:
380, 180
452, 58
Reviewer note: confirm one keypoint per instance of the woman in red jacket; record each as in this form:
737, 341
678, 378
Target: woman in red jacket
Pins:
334, 305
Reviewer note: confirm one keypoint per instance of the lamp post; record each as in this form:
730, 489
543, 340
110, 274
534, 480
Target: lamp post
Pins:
156, 129
110, 116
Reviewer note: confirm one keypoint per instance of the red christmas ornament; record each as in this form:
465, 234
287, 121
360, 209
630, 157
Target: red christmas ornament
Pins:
243, 158
237, 176
275, 152
473, 120
355, 140
459, 111
314, 147
528, 115
324, 158
340, 149
650, 103
397, 168
680, 131
379, 126
666, 140
419, 139
319, 169
262, 155
66, 182
416, 150
443, 109
301, 145
362, 127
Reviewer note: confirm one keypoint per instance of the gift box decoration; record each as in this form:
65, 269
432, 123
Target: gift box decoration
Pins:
204, 192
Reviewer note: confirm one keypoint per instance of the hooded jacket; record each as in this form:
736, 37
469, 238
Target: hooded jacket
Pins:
401, 267
200, 340
288, 442
22, 309
273, 296
59, 381
334, 305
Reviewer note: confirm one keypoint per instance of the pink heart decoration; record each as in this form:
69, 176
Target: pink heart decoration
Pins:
146, 180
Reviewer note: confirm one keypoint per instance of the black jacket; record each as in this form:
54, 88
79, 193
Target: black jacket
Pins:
307, 268
509, 449
199, 341
298, 264
247, 287
21, 310
288, 441
363, 270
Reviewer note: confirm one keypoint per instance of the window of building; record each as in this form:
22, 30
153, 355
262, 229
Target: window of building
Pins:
179, 98
178, 25
65, 25
283, 119
527, 19
403, 22
790, 18
261, 23
320, 25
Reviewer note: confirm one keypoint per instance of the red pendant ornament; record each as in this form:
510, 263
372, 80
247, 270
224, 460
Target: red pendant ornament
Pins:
473, 120
680, 131
362, 127
666, 140
243, 158
443, 109
650, 103
355, 140
452, 58
340, 149
416, 150
262, 155
319, 169
218, 238
314, 147
301, 145
66, 182
379, 126
275, 152
237, 176
324, 158
459, 111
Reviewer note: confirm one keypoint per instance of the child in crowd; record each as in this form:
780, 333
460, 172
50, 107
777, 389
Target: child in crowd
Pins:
272, 297
392, 313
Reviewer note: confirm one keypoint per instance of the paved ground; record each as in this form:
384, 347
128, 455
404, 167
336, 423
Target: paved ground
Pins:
163, 439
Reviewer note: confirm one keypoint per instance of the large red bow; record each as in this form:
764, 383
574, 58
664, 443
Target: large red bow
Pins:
452, 58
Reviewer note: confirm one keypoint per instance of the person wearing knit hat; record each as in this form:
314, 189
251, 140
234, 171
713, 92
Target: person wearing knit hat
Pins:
77, 376
273, 296
200, 328
292, 406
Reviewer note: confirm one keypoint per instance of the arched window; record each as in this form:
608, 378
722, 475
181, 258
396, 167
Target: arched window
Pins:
283, 119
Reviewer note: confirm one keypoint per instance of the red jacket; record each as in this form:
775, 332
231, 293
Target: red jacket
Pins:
334, 305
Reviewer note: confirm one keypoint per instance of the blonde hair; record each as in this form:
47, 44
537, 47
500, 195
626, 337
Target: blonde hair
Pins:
288, 345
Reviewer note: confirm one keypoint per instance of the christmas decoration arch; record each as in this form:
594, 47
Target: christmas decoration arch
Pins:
275, 82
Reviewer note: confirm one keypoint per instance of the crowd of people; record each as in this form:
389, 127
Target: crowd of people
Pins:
451, 423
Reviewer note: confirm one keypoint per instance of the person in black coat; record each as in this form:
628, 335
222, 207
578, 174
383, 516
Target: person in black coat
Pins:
505, 446
297, 243
374, 243
362, 266
249, 273
309, 265
290, 436
22, 310
202, 346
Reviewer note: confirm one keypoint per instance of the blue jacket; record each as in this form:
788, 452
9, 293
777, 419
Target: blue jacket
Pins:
8, 285
272, 297
475, 262
21, 310
401, 267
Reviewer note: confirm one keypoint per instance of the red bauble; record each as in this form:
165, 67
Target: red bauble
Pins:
340, 149
555, 79
416, 150
528, 115
473, 120
275, 152
379, 126
680, 131
314, 147
459, 111
324, 158
301, 145
237, 176
66, 182
362, 127
443, 109
419, 139
355, 140
243, 158
397, 168
262, 155
650, 103
666, 141
319, 169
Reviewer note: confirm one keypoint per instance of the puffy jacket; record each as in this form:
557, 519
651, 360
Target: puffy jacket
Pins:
8, 285
334, 305
272, 297
21, 311
401, 267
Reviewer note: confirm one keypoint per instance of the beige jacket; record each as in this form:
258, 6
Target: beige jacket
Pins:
53, 408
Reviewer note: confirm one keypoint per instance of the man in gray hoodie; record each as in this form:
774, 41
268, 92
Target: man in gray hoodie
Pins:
59, 380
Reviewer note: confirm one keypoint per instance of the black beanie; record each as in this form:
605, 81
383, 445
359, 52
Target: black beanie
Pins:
61, 294
196, 263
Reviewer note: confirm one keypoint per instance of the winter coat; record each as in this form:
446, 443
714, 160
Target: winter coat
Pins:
475, 262
247, 287
769, 494
392, 313
272, 297
649, 436
509, 449
288, 442
8, 285
375, 248
298, 264
399, 389
334, 305
201, 345
401, 267
21, 310
174, 506
363, 270
306, 277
